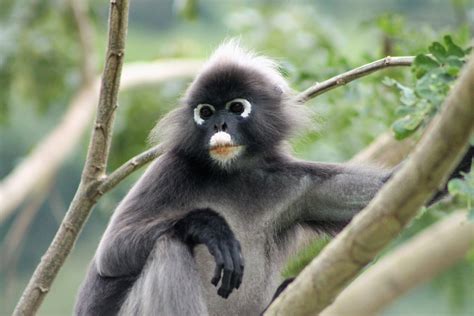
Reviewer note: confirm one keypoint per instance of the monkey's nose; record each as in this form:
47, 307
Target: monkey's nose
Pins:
220, 127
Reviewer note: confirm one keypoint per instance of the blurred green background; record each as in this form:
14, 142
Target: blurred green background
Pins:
313, 40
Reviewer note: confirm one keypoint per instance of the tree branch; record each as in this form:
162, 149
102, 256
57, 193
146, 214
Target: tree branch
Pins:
395, 204
418, 260
94, 168
351, 75
127, 168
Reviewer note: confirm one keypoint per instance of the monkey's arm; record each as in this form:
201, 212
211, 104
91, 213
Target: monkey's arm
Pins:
128, 241
204, 226
336, 192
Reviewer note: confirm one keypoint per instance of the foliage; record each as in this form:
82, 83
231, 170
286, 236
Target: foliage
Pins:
435, 74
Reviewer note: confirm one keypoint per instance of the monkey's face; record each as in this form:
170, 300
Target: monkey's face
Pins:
222, 126
237, 113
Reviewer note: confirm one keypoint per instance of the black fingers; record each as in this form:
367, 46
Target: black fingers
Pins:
226, 288
232, 269
218, 257
238, 265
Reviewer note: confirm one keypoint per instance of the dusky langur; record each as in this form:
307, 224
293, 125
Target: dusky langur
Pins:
208, 227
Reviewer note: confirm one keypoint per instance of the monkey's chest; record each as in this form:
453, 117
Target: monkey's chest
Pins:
251, 216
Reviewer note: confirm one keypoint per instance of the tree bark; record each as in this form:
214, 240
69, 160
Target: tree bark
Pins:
416, 261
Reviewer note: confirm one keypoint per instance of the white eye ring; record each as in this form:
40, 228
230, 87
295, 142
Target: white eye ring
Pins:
245, 103
197, 116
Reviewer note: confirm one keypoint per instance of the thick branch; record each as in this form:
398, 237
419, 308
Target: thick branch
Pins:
397, 202
94, 168
416, 261
351, 75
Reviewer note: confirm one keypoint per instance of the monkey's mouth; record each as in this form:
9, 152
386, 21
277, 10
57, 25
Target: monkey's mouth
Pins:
222, 148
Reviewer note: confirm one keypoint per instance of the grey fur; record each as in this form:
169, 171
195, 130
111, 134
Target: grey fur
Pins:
273, 202
170, 262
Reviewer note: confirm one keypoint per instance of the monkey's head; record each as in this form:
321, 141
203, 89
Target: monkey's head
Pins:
238, 108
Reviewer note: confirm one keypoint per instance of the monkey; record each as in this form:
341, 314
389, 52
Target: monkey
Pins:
211, 222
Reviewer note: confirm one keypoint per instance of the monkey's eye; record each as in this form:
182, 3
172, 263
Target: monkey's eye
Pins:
239, 106
236, 107
203, 112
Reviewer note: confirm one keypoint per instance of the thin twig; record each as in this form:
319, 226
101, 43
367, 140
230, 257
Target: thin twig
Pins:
351, 75
127, 168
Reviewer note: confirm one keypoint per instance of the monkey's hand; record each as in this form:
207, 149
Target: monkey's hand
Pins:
204, 226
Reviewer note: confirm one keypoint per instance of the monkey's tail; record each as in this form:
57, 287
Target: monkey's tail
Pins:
169, 283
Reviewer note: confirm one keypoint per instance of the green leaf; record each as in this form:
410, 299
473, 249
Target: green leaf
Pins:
404, 110
453, 65
422, 64
434, 86
407, 125
453, 49
408, 95
439, 52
